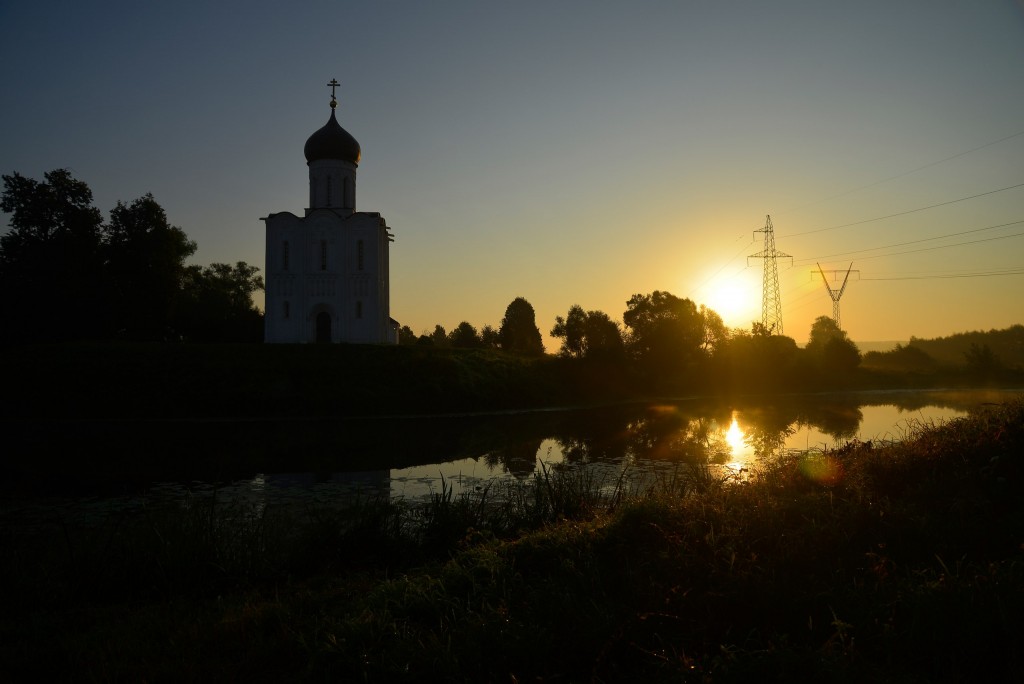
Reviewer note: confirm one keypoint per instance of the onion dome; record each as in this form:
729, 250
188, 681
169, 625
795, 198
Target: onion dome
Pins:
332, 142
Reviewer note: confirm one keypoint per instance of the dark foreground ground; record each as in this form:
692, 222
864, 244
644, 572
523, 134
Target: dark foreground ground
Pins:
901, 563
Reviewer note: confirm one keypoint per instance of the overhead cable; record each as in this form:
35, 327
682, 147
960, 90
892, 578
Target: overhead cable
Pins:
911, 242
903, 213
906, 173
989, 273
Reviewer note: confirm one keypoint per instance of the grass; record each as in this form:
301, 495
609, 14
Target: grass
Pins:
898, 562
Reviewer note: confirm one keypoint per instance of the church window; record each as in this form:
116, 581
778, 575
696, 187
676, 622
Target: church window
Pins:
328, 190
359, 255
359, 309
323, 255
347, 193
284, 256
287, 310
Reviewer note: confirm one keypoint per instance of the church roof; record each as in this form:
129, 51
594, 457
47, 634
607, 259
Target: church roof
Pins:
332, 142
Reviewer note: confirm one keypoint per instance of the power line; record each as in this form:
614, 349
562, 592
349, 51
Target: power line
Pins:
906, 173
903, 213
931, 249
912, 242
982, 274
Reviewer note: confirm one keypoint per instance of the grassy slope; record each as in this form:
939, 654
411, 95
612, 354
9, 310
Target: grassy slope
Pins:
898, 563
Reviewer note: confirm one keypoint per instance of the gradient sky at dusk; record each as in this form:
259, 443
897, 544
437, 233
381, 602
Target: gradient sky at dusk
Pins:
567, 152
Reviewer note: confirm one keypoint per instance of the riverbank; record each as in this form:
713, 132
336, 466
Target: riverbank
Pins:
900, 563
136, 381
115, 417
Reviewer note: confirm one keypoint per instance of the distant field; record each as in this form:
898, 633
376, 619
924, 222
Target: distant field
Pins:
879, 346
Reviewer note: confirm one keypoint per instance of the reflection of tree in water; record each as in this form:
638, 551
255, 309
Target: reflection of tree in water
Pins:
669, 433
837, 420
768, 428
958, 400
604, 442
519, 458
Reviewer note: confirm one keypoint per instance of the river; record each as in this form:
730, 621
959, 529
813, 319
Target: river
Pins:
329, 462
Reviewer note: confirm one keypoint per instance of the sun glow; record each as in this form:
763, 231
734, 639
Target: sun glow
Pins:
735, 301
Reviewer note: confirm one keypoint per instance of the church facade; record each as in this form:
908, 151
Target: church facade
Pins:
327, 272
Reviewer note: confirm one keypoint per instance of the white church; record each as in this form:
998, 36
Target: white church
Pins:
327, 271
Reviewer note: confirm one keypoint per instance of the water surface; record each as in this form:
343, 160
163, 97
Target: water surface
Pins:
327, 462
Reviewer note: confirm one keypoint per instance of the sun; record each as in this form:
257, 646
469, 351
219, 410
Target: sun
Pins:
734, 302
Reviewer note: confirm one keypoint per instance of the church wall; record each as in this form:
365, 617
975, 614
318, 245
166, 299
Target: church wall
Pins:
327, 271
283, 280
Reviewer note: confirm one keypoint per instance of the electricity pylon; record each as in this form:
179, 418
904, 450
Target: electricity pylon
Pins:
836, 295
771, 302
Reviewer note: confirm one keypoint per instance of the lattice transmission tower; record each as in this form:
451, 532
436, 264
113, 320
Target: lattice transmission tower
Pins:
836, 295
771, 302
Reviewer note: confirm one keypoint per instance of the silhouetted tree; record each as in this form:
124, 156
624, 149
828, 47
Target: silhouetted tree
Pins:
602, 337
755, 361
1006, 344
902, 358
666, 331
406, 336
519, 332
217, 305
588, 334
829, 347
489, 337
50, 260
439, 337
571, 330
145, 266
66, 275
464, 336
715, 332
981, 360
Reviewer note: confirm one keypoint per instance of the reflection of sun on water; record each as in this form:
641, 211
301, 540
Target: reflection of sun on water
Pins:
739, 451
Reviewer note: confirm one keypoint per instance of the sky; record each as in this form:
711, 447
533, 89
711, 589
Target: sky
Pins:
569, 152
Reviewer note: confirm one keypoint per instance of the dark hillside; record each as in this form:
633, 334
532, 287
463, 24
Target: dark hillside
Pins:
1007, 346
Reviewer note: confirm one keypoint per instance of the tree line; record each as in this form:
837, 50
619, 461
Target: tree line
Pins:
663, 339
68, 274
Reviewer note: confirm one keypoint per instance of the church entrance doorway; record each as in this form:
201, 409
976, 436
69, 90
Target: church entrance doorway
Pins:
323, 327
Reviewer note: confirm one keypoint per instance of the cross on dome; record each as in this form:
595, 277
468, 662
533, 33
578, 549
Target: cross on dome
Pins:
333, 84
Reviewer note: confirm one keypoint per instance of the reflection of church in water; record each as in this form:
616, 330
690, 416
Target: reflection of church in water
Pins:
327, 272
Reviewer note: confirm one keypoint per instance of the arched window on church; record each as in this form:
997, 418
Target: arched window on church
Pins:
347, 193
328, 190
359, 255
323, 255
284, 256
287, 310
359, 309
